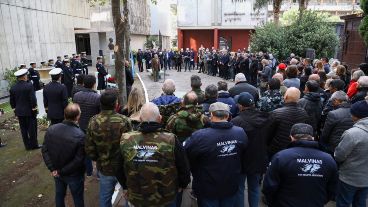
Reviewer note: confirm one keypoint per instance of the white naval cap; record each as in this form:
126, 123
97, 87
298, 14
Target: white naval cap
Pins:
55, 71
20, 72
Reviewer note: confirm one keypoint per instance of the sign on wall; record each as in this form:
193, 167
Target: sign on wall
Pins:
241, 13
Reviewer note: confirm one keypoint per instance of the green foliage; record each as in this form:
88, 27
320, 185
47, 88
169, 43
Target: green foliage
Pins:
150, 40
289, 16
364, 6
258, 4
363, 27
10, 77
311, 31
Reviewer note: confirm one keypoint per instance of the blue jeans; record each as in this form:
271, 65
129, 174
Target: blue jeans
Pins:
107, 187
76, 186
224, 202
347, 195
253, 190
89, 166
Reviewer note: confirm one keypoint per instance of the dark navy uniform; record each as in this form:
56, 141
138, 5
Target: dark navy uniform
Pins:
23, 101
55, 99
78, 67
58, 64
68, 79
101, 76
34, 76
84, 62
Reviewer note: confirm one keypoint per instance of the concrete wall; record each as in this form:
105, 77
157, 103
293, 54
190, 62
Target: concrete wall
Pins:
36, 30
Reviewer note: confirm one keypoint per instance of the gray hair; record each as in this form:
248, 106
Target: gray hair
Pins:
220, 114
363, 81
335, 63
293, 61
240, 77
339, 95
357, 74
211, 91
149, 112
168, 87
302, 137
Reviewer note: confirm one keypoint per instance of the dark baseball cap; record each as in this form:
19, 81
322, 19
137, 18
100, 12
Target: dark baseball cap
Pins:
301, 128
244, 99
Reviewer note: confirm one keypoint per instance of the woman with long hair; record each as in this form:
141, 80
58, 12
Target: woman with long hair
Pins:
134, 105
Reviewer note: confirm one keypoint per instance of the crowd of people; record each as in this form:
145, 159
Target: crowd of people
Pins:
295, 130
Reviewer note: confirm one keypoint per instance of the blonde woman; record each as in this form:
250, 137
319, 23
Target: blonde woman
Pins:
134, 105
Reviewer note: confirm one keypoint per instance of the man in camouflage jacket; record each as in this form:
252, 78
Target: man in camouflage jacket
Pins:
155, 165
102, 145
188, 119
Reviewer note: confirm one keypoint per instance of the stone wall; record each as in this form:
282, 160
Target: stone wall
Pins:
37, 30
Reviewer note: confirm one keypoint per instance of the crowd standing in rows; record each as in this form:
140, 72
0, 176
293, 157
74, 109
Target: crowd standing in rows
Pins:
290, 125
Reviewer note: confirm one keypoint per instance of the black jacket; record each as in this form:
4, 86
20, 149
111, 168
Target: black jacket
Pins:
55, 99
89, 103
282, 119
23, 98
129, 77
68, 79
63, 149
360, 95
336, 123
244, 87
301, 176
255, 124
313, 105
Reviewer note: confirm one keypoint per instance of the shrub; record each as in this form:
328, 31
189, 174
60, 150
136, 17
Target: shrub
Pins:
311, 31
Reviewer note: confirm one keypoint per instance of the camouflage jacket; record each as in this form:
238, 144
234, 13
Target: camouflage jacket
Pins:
103, 138
168, 110
187, 120
200, 95
155, 165
270, 101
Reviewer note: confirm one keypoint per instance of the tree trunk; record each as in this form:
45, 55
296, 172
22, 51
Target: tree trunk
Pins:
127, 30
119, 25
302, 7
276, 11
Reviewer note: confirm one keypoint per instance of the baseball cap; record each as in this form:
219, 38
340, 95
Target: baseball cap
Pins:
244, 99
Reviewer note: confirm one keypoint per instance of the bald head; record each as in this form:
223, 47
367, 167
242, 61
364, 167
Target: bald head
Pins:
279, 77
190, 98
315, 77
150, 113
72, 112
292, 95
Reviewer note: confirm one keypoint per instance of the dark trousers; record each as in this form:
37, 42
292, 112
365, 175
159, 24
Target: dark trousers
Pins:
56, 121
140, 66
76, 187
28, 128
148, 65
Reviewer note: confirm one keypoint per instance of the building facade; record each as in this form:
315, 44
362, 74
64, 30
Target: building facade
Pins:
38, 30
228, 24
334, 7
102, 29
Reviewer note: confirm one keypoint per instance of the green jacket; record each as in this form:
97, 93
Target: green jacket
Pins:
187, 120
103, 138
200, 95
155, 165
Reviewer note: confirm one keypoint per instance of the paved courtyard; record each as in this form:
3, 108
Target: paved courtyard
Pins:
182, 82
